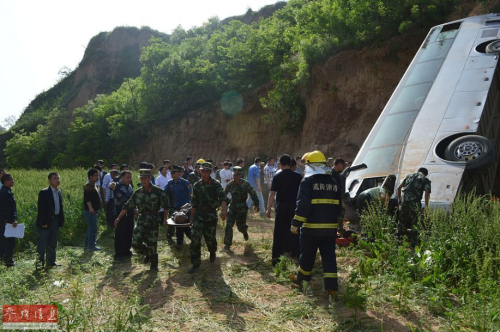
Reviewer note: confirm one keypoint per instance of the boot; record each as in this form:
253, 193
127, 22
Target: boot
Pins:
245, 236
194, 268
227, 248
332, 294
213, 256
154, 263
294, 280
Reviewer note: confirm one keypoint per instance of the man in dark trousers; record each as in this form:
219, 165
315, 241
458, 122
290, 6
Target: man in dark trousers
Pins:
178, 191
122, 191
318, 207
8, 215
92, 205
284, 187
50, 218
148, 200
208, 195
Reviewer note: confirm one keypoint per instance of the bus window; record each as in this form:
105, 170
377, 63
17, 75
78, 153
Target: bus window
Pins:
394, 129
436, 50
381, 160
449, 30
424, 72
411, 98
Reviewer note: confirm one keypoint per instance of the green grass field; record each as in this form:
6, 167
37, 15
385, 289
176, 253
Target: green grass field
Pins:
449, 283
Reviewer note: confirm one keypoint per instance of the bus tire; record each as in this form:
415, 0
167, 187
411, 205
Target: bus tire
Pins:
493, 47
477, 151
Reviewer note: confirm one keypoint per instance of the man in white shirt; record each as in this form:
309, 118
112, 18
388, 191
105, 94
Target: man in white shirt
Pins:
166, 164
226, 174
269, 172
161, 181
163, 178
107, 179
109, 199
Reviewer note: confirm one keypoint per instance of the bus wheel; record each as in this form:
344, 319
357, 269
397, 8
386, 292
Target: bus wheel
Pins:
477, 151
493, 47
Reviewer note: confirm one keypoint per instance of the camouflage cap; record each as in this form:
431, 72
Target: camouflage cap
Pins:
176, 169
144, 173
237, 170
206, 166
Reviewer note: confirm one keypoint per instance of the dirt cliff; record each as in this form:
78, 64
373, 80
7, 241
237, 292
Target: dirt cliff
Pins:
343, 100
109, 58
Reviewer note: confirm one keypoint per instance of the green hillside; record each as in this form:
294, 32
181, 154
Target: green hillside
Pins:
192, 69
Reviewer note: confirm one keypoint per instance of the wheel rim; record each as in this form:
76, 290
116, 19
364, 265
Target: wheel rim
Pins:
469, 150
496, 46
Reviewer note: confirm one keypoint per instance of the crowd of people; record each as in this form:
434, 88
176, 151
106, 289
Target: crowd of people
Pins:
306, 193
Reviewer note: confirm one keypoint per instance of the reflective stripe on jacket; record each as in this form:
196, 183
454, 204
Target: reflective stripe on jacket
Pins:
318, 206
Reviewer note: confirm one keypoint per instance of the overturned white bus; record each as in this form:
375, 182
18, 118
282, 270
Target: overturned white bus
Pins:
444, 115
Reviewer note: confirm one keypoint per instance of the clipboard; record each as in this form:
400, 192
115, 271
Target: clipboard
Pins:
17, 232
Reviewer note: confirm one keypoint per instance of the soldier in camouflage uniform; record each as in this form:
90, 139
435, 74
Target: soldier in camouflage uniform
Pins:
208, 195
148, 199
410, 208
195, 176
239, 190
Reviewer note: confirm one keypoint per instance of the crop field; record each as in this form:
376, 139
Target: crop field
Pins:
450, 282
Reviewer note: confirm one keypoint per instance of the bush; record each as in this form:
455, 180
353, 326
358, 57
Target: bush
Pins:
454, 270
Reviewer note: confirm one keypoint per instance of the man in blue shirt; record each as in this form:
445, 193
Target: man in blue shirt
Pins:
254, 180
178, 191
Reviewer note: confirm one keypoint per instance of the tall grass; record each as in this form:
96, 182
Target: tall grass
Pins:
27, 185
455, 268
450, 279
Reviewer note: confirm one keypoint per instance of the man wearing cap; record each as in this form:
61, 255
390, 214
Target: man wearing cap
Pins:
148, 199
318, 206
178, 191
208, 195
195, 175
239, 190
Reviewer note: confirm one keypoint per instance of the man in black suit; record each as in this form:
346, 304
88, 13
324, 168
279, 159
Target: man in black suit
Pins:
8, 215
50, 218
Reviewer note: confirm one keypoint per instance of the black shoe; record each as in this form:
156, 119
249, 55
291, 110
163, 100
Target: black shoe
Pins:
154, 263
213, 256
245, 236
54, 265
146, 259
227, 248
193, 269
